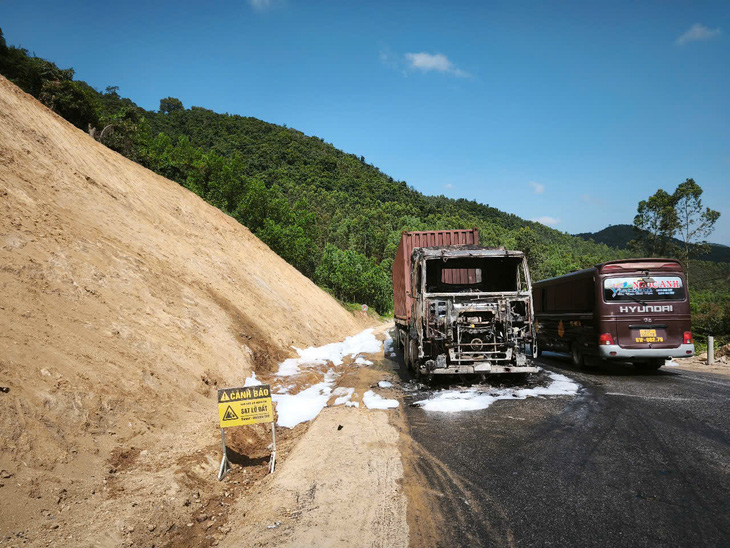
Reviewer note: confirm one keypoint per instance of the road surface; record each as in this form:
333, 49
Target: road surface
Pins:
635, 459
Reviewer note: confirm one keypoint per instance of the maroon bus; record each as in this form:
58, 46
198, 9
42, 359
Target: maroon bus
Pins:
634, 310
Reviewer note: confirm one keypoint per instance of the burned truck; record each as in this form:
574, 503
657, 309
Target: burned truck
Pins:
462, 309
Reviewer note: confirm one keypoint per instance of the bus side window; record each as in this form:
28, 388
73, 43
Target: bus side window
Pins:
543, 299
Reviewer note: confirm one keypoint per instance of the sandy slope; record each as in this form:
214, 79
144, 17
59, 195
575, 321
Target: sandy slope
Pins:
124, 301
343, 483
341, 486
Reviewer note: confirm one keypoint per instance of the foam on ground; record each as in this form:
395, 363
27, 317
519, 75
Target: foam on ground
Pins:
475, 398
362, 343
376, 401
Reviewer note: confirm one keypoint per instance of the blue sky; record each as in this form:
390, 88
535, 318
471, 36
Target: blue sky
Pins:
569, 112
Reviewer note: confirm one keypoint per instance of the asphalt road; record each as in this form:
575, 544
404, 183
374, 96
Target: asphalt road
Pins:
635, 459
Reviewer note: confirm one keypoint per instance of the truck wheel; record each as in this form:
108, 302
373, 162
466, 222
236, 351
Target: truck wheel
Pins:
413, 357
406, 357
577, 356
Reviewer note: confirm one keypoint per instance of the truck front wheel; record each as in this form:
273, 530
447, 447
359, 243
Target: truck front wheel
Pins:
413, 356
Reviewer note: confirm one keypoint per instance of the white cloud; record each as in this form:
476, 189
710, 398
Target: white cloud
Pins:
537, 188
426, 62
546, 220
448, 185
698, 33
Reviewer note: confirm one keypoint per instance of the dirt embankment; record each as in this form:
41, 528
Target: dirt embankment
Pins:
343, 482
125, 300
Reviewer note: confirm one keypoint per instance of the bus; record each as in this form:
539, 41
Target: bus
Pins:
632, 310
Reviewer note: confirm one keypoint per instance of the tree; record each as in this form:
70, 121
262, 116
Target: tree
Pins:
75, 100
527, 241
170, 104
655, 223
694, 222
664, 216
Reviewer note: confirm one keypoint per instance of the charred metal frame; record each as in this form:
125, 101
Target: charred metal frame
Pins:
472, 331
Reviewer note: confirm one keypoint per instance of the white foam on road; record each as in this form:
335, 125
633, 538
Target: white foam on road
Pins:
252, 380
292, 409
345, 394
475, 398
376, 401
388, 343
305, 405
362, 343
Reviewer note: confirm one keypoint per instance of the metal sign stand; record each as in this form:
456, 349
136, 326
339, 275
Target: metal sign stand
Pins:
225, 463
249, 401
272, 460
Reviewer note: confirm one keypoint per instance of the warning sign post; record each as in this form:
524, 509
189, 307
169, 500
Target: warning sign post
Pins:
242, 406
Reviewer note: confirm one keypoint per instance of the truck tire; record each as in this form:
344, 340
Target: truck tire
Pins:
413, 356
406, 357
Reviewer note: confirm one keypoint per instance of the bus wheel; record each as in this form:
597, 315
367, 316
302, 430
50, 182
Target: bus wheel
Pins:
577, 356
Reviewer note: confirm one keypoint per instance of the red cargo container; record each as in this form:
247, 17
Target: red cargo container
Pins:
402, 303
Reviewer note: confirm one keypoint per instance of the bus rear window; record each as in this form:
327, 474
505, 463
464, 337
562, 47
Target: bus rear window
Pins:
638, 288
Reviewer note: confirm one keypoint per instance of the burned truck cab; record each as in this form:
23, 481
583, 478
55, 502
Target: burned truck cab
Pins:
472, 312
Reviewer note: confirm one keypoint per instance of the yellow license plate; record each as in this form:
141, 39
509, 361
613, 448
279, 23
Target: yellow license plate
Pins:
647, 332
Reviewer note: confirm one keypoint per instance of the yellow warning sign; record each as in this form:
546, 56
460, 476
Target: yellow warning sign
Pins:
247, 405
230, 414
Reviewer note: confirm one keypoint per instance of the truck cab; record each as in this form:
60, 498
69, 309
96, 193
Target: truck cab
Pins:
471, 312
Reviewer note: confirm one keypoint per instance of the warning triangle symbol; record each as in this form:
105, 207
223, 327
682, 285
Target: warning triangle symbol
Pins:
225, 397
230, 414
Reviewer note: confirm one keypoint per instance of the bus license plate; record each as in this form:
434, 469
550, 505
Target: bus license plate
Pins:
648, 336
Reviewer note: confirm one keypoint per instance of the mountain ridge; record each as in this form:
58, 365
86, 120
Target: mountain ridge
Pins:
618, 236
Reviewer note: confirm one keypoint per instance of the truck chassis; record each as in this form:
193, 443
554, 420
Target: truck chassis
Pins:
469, 331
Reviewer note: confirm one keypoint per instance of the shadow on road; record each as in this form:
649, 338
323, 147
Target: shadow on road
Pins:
599, 368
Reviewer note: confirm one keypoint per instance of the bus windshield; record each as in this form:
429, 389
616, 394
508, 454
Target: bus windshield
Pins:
646, 288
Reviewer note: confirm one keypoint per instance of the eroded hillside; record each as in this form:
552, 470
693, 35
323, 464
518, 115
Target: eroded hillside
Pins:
125, 300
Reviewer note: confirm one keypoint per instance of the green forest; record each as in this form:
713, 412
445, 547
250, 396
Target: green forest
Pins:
330, 214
